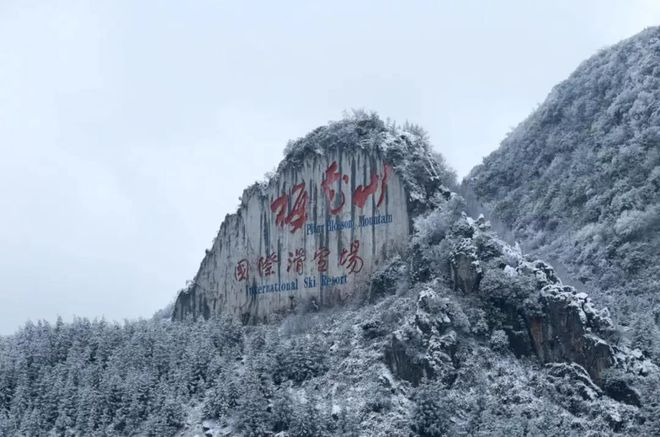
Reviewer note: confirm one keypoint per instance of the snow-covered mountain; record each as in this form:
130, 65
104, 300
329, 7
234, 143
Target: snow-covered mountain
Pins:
461, 334
578, 183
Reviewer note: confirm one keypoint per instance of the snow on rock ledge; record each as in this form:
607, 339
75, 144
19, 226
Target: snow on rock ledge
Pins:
561, 324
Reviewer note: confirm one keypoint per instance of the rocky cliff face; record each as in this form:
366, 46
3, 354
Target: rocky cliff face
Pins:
337, 207
522, 298
461, 291
539, 315
311, 236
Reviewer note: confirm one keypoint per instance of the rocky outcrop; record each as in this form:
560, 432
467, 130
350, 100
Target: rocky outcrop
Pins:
311, 236
466, 272
577, 376
621, 391
339, 205
563, 326
425, 345
405, 359
191, 302
560, 325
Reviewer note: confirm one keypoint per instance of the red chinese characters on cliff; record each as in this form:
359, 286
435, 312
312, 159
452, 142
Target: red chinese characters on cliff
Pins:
336, 198
321, 259
242, 270
350, 259
297, 217
265, 264
296, 261
331, 185
332, 175
290, 210
362, 193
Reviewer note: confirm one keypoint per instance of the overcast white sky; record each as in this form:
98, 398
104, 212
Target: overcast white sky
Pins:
129, 129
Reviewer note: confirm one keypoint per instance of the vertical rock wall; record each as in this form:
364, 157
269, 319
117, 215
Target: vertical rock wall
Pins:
311, 237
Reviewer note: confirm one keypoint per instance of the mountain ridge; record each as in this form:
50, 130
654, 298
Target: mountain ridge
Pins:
588, 196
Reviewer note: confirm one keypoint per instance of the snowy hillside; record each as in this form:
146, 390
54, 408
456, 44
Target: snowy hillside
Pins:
578, 182
464, 335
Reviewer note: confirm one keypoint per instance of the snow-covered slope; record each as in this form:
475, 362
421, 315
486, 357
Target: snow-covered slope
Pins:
463, 335
578, 182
